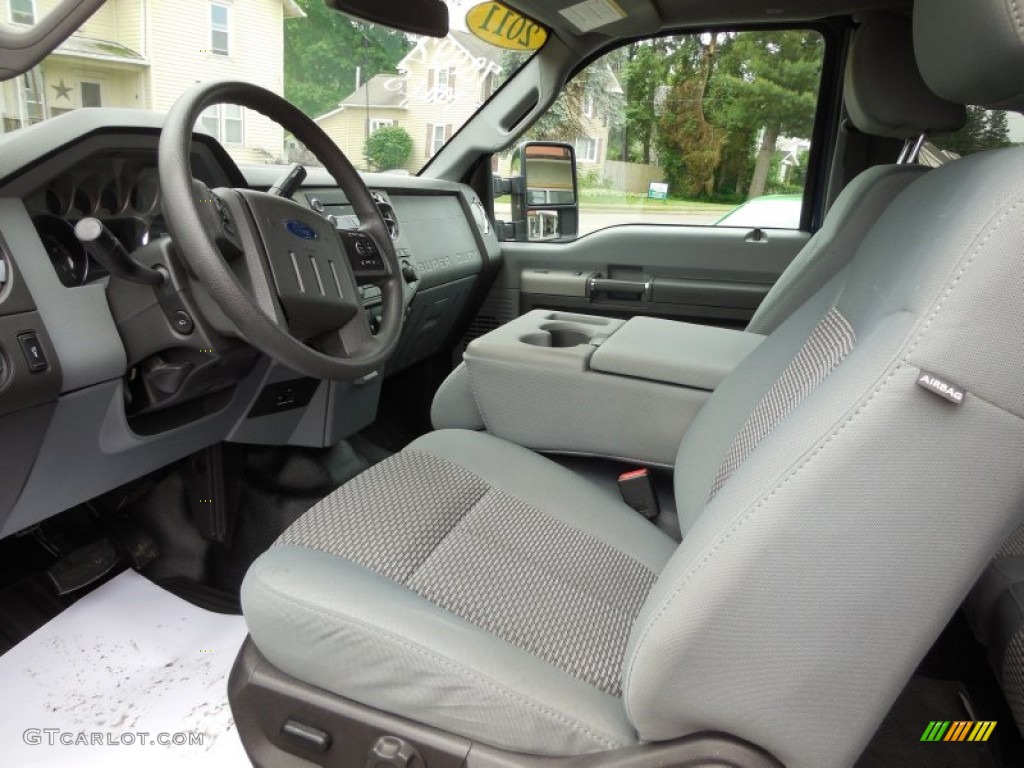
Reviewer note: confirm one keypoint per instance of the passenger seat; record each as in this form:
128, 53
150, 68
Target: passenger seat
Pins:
886, 96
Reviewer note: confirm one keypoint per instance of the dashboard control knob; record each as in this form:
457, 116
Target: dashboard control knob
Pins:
409, 272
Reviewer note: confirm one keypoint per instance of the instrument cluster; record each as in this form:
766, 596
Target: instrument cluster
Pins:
122, 189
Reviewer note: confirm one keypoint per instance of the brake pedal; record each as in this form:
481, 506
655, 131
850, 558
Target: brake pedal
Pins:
84, 566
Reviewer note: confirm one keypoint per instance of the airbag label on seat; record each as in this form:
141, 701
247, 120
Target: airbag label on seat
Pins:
942, 388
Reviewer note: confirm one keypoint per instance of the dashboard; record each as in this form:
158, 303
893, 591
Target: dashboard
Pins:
100, 383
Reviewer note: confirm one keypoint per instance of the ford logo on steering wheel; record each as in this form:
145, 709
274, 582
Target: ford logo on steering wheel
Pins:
300, 229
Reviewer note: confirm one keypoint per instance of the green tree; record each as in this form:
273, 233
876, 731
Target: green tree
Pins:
388, 147
322, 51
689, 144
997, 132
770, 81
982, 130
644, 72
970, 138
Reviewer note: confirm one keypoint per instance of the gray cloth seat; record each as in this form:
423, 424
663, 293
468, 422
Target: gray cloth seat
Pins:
503, 583
885, 96
836, 506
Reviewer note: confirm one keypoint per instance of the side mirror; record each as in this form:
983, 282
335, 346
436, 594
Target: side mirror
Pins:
545, 201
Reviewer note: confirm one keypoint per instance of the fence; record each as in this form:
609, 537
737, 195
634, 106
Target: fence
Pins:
631, 177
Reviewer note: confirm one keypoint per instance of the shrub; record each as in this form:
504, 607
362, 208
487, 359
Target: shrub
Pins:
388, 148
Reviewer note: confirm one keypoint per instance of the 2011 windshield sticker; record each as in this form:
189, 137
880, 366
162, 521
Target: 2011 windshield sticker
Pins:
499, 25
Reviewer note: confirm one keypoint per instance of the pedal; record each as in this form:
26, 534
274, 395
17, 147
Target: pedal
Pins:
131, 542
84, 566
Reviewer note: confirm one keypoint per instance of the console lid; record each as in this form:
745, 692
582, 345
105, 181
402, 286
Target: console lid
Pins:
695, 356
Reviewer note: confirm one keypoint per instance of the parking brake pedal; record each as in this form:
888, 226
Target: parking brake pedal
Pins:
83, 566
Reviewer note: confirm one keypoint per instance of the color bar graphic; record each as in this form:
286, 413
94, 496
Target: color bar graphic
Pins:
958, 730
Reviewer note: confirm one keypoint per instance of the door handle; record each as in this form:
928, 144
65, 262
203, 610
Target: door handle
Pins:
596, 285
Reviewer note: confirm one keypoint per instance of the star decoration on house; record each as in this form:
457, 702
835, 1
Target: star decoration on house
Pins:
63, 91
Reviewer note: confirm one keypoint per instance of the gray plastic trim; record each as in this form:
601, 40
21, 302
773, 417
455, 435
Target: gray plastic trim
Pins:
89, 448
78, 319
264, 699
533, 384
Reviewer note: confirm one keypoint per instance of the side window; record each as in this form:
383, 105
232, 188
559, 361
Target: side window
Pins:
708, 129
983, 130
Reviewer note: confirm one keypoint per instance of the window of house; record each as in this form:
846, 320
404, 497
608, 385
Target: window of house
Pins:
23, 11
219, 28
708, 129
380, 122
437, 135
224, 122
441, 81
231, 115
588, 105
586, 149
35, 107
487, 86
91, 96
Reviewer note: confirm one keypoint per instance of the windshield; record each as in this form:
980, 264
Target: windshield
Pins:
388, 99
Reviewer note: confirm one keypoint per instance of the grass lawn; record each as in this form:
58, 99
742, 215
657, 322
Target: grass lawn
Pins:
605, 198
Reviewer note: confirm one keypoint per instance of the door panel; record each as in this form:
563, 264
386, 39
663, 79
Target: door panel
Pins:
701, 274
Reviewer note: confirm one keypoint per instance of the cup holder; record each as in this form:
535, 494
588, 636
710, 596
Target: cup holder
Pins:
555, 336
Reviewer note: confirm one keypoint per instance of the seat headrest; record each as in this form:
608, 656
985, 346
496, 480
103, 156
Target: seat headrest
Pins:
885, 93
972, 51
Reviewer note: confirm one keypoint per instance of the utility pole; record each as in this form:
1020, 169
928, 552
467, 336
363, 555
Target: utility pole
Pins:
366, 85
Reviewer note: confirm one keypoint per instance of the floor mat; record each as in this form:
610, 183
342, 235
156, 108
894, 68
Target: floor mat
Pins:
123, 669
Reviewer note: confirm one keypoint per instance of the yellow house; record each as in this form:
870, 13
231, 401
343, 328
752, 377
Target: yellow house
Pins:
379, 102
143, 53
440, 83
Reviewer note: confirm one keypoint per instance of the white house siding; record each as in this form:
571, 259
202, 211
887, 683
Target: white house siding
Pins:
430, 105
120, 85
180, 35
347, 129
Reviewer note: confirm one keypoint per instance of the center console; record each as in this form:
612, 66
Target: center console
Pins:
587, 385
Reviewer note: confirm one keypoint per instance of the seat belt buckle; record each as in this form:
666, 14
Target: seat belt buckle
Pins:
637, 491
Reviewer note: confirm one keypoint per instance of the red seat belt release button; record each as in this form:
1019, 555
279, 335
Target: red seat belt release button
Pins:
637, 491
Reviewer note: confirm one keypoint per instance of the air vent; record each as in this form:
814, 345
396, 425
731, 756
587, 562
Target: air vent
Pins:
387, 213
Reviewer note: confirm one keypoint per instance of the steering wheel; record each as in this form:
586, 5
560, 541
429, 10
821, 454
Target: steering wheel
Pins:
280, 272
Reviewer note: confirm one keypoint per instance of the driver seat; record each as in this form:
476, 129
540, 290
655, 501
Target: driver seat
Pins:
468, 602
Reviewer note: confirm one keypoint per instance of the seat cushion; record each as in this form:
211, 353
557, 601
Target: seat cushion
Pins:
469, 584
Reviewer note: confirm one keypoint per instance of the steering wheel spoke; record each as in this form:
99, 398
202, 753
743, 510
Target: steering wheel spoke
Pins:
280, 272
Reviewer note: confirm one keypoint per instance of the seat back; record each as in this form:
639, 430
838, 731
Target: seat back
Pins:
885, 96
844, 487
